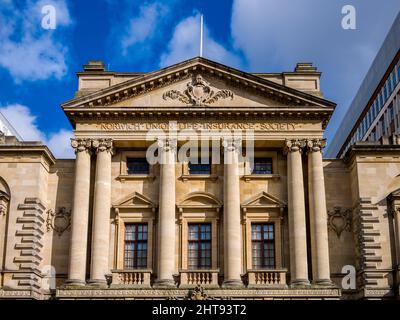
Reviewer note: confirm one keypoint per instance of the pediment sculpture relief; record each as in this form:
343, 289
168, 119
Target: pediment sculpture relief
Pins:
198, 93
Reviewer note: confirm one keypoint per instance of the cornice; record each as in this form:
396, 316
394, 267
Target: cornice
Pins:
208, 113
21, 150
371, 150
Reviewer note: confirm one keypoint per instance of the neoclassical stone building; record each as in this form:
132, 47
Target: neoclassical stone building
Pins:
261, 215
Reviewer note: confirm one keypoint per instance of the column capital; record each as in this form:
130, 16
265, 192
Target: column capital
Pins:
293, 145
315, 145
101, 145
167, 144
231, 143
81, 144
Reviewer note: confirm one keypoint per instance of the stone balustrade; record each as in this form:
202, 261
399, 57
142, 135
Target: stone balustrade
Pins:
205, 278
267, 277
131, 278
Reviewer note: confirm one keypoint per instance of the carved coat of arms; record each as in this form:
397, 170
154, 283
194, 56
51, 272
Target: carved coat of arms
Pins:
198, 93
339, 220
59, 220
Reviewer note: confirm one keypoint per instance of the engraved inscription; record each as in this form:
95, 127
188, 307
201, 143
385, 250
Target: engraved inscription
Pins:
265, 126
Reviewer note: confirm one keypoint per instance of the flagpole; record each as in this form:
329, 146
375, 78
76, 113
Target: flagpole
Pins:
201, 36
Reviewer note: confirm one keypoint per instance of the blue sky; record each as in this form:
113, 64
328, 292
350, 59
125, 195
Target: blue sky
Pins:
37, 66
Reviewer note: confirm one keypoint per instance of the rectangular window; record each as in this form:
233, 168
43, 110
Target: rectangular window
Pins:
381, 99
373, 111
262, 166
369, 117
199, 249
398, 72
390, 84
135, 246
263, 245
391, 112
199, 167
137, 166
386, 90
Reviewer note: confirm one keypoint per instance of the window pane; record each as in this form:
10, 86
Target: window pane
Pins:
135, 246
263, 245
137, 166
262, 166
199, 167
199, 246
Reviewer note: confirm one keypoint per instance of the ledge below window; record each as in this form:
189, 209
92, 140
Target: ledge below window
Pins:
248, 177
123, 177
211, 177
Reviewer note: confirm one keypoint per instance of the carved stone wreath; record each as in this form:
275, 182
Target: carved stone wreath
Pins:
339, 220
59, 220
198, 93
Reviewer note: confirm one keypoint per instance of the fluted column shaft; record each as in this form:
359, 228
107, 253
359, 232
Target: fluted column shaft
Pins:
297, 215
101, 212
166, 222
232, 226
318, 215
80, 213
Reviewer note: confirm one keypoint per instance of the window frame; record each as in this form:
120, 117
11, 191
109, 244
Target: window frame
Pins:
258, 172
136, 241
146, 172
199, 241
263, 241
199, 172
129, 216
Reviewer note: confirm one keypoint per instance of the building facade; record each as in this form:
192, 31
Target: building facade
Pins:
374, 114
261, 215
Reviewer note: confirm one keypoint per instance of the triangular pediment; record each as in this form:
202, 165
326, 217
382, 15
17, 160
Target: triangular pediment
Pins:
135, 200
197, 83
263, 200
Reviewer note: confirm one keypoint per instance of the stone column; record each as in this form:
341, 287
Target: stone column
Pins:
232, 226
80, 213
101, 212
318, 215
297, 215
166, 221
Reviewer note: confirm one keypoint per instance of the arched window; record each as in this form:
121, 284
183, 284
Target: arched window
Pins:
4, 197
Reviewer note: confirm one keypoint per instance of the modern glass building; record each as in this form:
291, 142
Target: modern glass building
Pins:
374, 114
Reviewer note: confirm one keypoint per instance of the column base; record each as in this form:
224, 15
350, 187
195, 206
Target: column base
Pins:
300, 283
164, 284
100, 283
232, 284
75, 282
323, 283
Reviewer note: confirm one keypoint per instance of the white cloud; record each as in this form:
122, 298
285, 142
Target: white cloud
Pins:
185, 44
144, 26
60, 143
28, 51
24, 122
274, 35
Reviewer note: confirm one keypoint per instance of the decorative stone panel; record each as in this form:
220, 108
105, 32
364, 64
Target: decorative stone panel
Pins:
368, 247
29, 243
